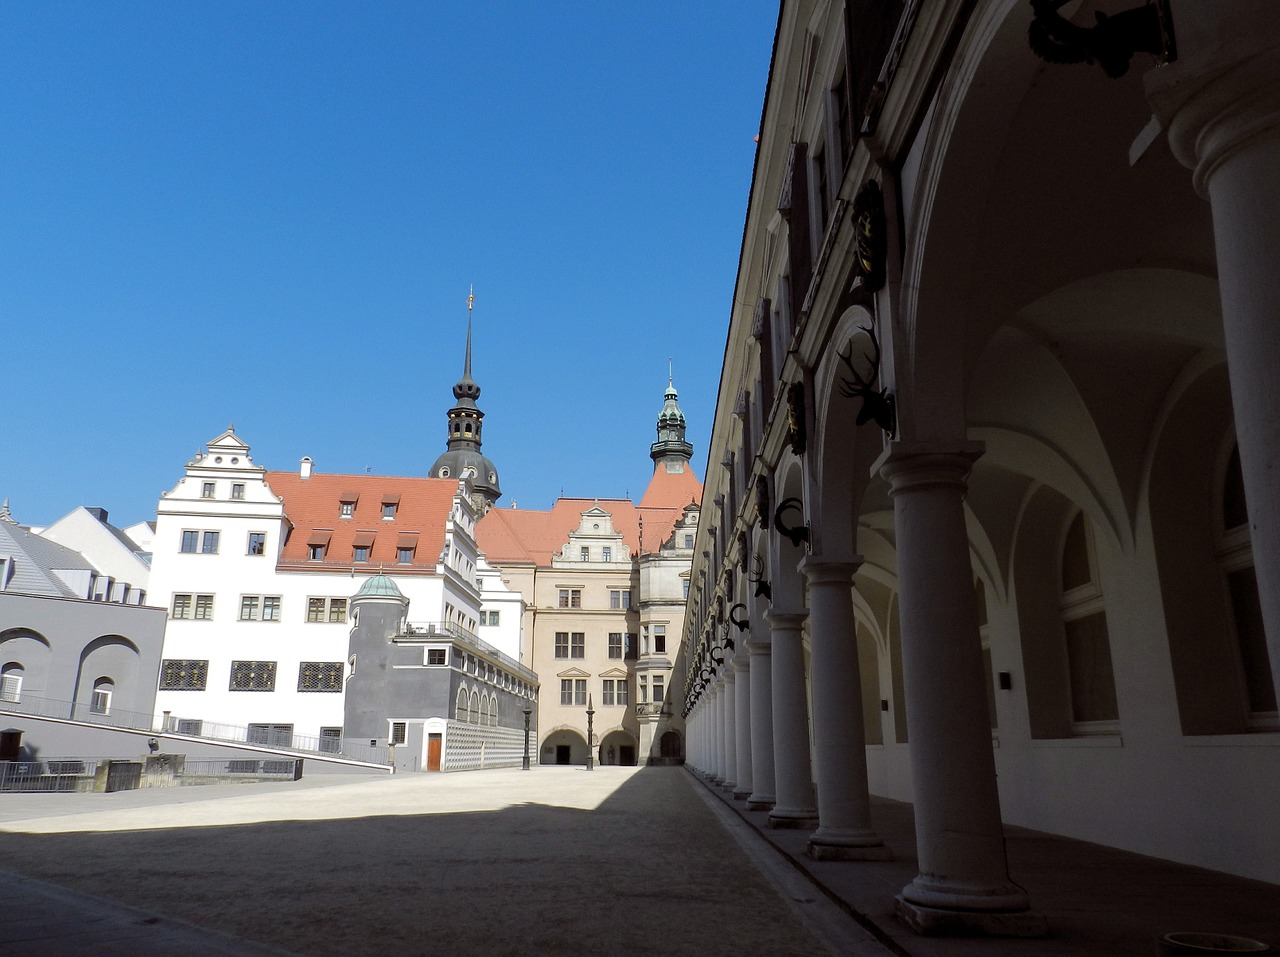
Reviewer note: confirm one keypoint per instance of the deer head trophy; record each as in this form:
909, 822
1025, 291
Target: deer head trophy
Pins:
877, 404
742, 623
763, 588
798, 535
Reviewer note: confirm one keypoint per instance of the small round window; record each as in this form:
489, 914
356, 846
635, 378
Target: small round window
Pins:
444, 471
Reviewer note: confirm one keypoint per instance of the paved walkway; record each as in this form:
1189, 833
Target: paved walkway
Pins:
553, 861
1097, 900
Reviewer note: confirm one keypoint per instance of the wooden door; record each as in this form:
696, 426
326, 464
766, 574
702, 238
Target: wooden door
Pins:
433, 752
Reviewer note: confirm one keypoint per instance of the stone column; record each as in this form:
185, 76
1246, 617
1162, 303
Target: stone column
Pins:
793, 776
715, 771
844, 805
730, 728
1220, 102
742, 723
760, 648
963, 885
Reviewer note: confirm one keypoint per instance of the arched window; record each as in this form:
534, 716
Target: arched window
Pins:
493, 711
462, 704
1235, 558
11, 681
1084, 623
984, 634
475, 707
100, 703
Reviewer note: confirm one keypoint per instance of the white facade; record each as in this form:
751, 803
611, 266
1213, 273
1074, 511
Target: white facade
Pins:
258, 617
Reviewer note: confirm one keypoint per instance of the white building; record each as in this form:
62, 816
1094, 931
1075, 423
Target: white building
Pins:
257, 569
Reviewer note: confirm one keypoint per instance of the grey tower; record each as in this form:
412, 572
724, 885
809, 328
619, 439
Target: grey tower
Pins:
462, 457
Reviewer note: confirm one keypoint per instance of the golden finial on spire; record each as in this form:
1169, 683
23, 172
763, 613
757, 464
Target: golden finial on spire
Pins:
471, 298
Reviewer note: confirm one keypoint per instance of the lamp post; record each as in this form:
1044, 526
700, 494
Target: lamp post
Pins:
527, 712
591, 713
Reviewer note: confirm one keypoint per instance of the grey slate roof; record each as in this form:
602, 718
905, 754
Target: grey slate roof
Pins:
34, 561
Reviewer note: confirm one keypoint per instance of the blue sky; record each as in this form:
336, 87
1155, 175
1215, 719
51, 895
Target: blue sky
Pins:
270, 214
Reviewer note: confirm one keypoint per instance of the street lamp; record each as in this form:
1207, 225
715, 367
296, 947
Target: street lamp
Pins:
591, 713
527, 712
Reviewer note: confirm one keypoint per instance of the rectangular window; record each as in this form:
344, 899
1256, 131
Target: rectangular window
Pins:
192, 726
492, 619
615, 644
570, 597
632, 648
204, 607
606, 554
181, 606
315, 609
606, 695
346, 509
360, 553
579, 691
206, 491
237, 491
181, 674
331, 740
399, 732
337, 609
659, 639
257, 543
562, 644
566, 691
685, 583
320, 676
577, 645
272, 735
643, 682
688, 541
249, 608
315, 553
210, 544
585, 554
270, 607
190, 541
658, 682
437, 656
253, 676
404, 556
623, 692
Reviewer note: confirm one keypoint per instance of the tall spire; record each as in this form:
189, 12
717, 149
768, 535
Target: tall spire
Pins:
463, 458
671, 447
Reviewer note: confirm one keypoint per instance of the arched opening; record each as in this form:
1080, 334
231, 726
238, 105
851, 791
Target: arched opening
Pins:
100, 701
617, 748
463, 708
11, 675
671, 747
563, 746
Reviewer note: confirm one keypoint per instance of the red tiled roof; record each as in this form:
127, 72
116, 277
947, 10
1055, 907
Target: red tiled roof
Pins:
312, 505
672, 489
508, 535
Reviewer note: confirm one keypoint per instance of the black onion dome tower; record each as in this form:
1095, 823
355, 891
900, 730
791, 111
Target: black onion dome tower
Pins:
462, 457
671, 446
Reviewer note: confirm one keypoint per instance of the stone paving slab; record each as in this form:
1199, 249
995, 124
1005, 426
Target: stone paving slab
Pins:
1098, 900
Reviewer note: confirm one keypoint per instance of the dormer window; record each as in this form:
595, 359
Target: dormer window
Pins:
390, 503
360, 553
362, 545
317, 544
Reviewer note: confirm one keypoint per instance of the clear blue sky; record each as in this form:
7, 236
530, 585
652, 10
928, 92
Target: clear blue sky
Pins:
270, 213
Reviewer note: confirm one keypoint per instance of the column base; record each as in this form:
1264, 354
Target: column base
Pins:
741, 794
837, 844
792, 818
728, 786
760, 802
937, 922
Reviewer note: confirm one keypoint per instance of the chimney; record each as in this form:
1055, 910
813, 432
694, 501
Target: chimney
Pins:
305, 470
99, 513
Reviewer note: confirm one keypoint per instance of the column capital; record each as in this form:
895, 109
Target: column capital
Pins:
912, 466
787, 619
821, 572
760, 644
1213, 104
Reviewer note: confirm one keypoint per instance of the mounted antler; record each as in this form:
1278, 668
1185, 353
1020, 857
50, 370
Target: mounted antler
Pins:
742, 623
1111, 42
877, 404
763, 588
798, 535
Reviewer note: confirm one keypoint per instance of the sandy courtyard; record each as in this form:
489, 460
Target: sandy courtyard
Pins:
551, 861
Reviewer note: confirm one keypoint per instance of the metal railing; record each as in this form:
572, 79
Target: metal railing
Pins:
354, 748
50, 775
449, 629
